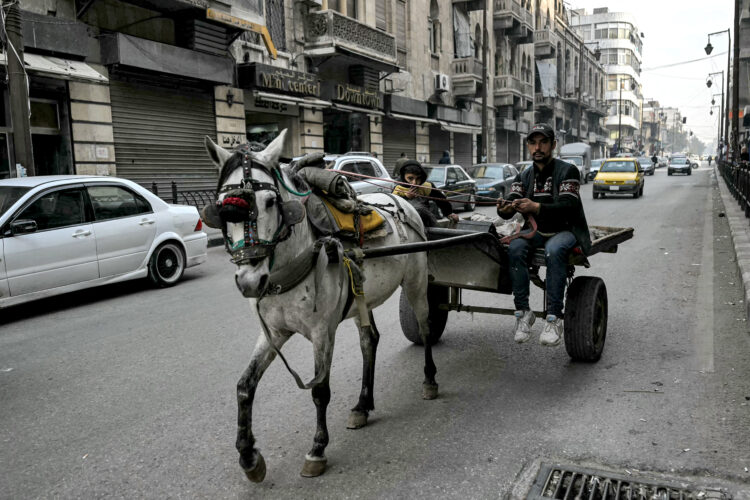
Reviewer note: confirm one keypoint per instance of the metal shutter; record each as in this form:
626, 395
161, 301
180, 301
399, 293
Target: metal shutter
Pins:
380, 21
399, 136
440, 140
462, 150
159, 135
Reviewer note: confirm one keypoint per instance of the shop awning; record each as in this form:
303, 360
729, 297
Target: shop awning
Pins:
300, 101
460, 129
56, 67
355, 109
422, 119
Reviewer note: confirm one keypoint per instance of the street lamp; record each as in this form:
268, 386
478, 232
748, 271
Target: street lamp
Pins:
619, 112
709, 48
726, 115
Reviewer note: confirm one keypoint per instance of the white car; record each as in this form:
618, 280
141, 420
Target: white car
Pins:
64, 233
363, 164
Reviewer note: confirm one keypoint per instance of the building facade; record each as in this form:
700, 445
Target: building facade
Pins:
621, 46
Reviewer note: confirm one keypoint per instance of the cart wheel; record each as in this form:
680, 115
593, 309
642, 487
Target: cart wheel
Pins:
436, 295
585, 322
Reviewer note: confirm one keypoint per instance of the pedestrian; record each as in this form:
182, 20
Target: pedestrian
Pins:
709, 160
411, 172
655, 160
399, 163
446, 159
549, 191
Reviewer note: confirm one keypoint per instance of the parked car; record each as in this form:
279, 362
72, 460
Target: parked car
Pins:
595, 165
364, 164
70, 232
694, 161
619, 176
493, 179
646, 165
679, 165
663, 162
523, 165
454, 178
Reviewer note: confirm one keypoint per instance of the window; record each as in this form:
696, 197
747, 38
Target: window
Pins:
360, 167
113, 202
276, 23
452, 176
56, 209
381, 15
44, 114
433, 28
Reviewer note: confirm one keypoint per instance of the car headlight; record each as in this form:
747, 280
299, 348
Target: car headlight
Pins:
629, 182
491, 189
598, 181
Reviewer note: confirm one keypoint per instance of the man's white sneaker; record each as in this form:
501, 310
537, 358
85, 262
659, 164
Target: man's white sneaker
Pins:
524, 320
553, 331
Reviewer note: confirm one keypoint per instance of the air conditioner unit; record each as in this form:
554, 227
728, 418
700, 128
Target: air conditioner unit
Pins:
442, 82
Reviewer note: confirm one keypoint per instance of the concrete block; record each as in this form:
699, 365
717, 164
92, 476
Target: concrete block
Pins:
85, 169
230, 125
235, 110
310, 115
220, 94
88, 112
313, 129
90, 92
94, 152
90, 132
95, 169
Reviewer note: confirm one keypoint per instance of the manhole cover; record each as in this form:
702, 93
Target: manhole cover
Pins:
561, 482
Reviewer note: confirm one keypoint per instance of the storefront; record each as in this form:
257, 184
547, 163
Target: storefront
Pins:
440, 140
346, 124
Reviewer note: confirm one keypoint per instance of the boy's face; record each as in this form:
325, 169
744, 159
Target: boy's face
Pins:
412, 178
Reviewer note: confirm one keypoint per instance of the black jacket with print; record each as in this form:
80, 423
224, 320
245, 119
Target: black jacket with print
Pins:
556, 189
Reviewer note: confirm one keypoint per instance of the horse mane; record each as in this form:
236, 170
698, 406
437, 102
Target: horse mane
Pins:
234, 161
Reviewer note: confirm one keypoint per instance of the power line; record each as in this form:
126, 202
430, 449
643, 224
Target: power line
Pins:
685, 62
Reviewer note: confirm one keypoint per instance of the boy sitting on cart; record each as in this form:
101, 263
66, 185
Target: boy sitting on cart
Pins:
420, 191
550, 193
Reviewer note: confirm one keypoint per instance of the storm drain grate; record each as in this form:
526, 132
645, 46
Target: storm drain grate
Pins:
587, 484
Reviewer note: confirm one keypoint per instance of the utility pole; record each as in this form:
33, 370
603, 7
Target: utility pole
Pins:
580, 80
18, 90
485, 154
736, 84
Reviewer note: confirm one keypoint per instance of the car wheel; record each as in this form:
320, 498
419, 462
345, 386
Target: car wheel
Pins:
596, 195
669, 172
167, 265
471, 204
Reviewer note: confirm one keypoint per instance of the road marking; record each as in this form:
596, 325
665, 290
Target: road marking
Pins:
703, 336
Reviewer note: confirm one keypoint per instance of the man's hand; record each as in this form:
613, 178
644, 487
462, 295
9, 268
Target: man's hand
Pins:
526, 206
453, 217
412, 192
504, 207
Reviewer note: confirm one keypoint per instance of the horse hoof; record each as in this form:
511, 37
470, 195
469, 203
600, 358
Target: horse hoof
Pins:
314, 466
258, 473
429, 391
357, 419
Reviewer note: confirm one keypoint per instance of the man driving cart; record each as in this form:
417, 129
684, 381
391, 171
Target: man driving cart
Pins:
549, 193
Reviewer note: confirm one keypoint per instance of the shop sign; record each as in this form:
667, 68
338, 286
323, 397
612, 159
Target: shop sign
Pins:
285, 80
260, 105
355, 95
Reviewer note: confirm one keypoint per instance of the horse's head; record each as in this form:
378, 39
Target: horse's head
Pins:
251, 209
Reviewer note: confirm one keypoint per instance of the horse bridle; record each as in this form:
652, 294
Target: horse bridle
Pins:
239, 206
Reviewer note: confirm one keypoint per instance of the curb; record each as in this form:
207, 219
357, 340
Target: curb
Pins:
739, 228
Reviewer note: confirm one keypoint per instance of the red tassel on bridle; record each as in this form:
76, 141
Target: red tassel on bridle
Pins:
237, 202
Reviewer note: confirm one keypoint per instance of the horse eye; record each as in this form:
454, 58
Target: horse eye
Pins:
270, 202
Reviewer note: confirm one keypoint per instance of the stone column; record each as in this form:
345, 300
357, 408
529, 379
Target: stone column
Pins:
311, 126
423, 142
376, 136
91, 129
230, 116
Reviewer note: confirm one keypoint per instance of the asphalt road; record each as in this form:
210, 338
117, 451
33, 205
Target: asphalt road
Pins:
127, 391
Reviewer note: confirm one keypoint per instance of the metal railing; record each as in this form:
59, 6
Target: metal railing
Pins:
467, 66
197, 198
737, 177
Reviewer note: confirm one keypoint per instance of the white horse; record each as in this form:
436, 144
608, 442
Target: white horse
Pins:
270, 239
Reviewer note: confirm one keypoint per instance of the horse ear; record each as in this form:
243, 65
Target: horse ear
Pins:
217, 154
270, 155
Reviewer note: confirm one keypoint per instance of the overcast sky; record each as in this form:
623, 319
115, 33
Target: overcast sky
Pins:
676, 31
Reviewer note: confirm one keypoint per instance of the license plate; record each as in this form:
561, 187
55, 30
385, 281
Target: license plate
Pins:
614, 188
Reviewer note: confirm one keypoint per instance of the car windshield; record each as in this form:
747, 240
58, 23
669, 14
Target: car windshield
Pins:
596, 163
679, 161
486, 172
576, 160
645, 161
435, 174
9, 195
618, 166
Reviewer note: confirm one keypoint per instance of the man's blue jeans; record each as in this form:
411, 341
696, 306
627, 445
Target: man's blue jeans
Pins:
557, 249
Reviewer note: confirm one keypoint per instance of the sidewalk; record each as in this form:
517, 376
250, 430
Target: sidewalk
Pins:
739, 226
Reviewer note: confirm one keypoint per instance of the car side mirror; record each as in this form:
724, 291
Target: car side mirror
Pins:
23, 226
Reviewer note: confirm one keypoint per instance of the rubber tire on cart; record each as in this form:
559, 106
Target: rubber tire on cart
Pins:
436, 295
471, 204
167, 264
585, 323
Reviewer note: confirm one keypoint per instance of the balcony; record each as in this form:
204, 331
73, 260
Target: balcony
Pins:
328, 33
613, 122
545, 43
510, 90
467, 76
600, 108
592, 137
543, 103
505, 124
513, 20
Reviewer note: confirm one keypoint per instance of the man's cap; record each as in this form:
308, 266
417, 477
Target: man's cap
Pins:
541, 128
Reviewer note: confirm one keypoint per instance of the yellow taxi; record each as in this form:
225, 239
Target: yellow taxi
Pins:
619, 176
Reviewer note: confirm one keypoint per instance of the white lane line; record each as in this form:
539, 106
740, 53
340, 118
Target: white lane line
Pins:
703, 336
